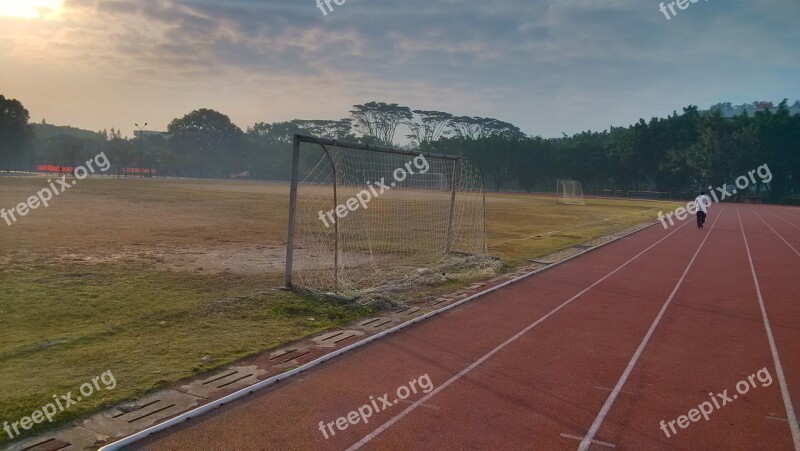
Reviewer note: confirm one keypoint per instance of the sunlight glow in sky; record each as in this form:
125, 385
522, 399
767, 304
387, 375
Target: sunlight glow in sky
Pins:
30, 9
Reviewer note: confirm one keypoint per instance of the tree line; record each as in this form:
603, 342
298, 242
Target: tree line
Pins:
675, 155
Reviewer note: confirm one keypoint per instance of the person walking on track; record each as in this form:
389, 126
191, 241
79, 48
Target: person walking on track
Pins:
702, 203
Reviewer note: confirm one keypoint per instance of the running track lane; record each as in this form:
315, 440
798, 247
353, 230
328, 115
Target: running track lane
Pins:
711, 337
535, 389
775, 249
547, 382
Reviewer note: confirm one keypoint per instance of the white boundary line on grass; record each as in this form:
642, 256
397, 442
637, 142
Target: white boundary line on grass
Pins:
787, 401
279, 377
598, 421
494, 351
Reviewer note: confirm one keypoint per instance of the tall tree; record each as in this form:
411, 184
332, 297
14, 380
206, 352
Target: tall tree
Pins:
482, 127
327, 129
278, 132
282, 132
466, 127
380, 120
15, 132
210, 139
428, 126
779, 132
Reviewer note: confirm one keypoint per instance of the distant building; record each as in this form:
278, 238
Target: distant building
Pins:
136, 133
729, 110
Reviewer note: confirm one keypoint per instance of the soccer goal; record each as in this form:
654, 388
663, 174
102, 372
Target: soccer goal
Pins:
365, 218
569, 192
436, 181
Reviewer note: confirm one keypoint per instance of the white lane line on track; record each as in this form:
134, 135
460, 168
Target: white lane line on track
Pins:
769, 417
610, 389
598, 421
776, 232
784, 219
494, 351
790, 211
787, 401
578, 437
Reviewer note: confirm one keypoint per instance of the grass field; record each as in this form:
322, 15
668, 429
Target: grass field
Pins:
157, 280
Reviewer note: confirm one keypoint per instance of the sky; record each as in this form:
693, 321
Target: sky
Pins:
547, 66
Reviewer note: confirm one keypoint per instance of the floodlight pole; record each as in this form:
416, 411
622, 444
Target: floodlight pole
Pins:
141, 145
287, 275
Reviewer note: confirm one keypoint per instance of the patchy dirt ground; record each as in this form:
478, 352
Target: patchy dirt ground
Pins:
218, 226
246, 260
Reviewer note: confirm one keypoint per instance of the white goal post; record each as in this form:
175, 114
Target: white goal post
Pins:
569, 192
362, 217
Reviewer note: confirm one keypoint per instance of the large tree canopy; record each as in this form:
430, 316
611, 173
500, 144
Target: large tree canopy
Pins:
428, 126
282, 132
483, 127
380, 120
205, 131
15, 132
209, 139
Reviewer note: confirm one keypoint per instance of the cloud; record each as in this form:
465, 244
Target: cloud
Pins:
545, 65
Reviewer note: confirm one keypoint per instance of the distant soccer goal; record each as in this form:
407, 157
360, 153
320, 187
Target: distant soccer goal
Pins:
432, 181
366, 219
569, 192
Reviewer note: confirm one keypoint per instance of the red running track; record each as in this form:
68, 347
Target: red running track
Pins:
671, 326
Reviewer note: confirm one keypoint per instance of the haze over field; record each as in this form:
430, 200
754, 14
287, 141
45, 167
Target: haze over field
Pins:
548, 66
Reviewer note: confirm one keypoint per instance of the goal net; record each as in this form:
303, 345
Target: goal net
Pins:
436, 181
569, 192
365, 219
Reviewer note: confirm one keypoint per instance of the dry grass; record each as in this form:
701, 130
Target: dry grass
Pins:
156, 280
530, 226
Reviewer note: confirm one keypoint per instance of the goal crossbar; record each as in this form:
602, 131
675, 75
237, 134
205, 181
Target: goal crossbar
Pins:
358, 146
